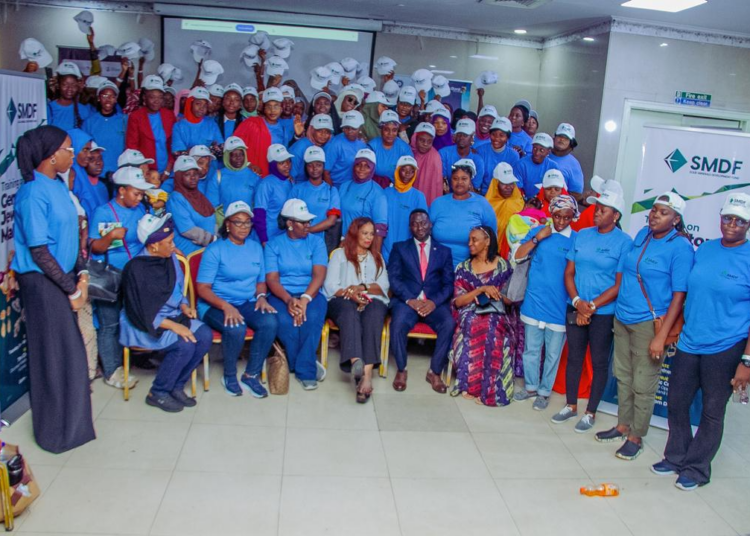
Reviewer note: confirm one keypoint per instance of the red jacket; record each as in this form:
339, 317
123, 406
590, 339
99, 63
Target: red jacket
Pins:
139, 135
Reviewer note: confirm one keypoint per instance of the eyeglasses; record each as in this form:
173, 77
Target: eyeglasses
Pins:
69, 149
241, 224
739, 222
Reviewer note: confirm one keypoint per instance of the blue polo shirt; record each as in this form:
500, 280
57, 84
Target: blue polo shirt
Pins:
113, 212
108, 132
185, 218
400, 206
453, 231
491, 158
340, 154
362, 199
270, 195
294, 260
571, 170
319, 199
187, 135
530, 174
449, 155
238, 186
388, 158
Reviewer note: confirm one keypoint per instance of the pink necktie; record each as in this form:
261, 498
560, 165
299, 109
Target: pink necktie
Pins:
422, 260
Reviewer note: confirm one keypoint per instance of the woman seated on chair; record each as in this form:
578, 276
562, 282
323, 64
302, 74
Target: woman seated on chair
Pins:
357, 289
156, 314
295, 270
231, 285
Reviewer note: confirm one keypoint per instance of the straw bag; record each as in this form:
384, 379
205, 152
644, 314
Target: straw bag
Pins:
278, 372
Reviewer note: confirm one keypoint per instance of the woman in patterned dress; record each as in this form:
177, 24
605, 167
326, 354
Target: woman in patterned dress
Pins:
482, 345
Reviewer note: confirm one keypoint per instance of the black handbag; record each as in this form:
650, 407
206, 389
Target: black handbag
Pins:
492, 307
104, 280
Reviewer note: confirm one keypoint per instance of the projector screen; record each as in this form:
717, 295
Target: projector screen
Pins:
313, 47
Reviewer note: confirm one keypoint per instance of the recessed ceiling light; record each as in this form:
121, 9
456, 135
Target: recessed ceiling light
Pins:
437, 71
664, 45
671, 6
483, 57
433, 66
589, 39
454, 57
610, 126
400, 5
520, 31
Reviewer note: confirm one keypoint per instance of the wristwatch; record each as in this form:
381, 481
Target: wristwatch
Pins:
535, 241
746, 360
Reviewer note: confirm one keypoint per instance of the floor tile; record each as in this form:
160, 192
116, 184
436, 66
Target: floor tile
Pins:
21, 433
136, 409
451, 506
330, 410
739, 443
728, 498
419, 413
334, 453
337, 506
600, 463
514, 418
217, 407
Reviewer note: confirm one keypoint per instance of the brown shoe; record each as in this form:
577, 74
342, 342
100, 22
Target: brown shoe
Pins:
437, 384
399, 382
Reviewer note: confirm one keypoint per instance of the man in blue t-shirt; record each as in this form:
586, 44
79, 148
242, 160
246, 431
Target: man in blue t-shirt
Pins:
531, 168
564, 143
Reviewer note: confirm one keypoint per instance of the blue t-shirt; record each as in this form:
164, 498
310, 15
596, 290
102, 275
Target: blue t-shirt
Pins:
492, 158
388, 158
530, 174
209, 185
597, 256
64, 116
89, 195
129, 218
340, 154
520, 139
298, 162
400, 206
717, 309
185, 218
453, 219
238, 186
665, 268
319, 199
229, 126
571, 170
160, 141
480, 143
362, 199
108, 132
294, 260
270, 195
546, 297
282, 132
233, 271
45, 216
187, 135
449, 155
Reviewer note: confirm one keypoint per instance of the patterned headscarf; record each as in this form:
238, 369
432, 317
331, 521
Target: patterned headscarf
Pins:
561, 202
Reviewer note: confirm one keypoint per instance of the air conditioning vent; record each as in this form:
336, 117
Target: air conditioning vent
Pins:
524, 4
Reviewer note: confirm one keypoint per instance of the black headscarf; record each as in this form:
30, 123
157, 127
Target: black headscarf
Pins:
147, 284
36, 146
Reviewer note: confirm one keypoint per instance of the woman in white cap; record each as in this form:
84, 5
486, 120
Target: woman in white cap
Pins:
402, 199
531, 168
532, 123
506, 200
562, 154
593, 282
231, 285
208, 173
196, 128
322, 104
90, 191
170, 95
342, 149
296, 264
388, 149
430, 178
318, 135
249, 102
357, 289
496, 150
654, 283
238, 181
107, 125
462, 150
362, 197
553, 184
156, 314
193, 213
272, 193
713, 353
229, 116
66, 111
373, 109
113, 229
441, 120
520, 141
485, 118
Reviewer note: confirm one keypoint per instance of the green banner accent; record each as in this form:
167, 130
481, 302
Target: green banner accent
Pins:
646, 204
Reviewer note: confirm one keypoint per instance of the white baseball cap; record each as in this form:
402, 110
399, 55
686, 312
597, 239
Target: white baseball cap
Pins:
377, 97
199, 151
422, 79
600, 186
33, 50
737, 204
96, 147
503, 172
543, 139
199, 93
488, 110
94, 81
130, 50
322, 121
108, 85
147, 48
502, 123
296, 209
261, 39
427, 128
337, 71
149, 224
276, 66
314, 154
441, 86
273, 94
287, 92
384, 65
407, 94
233, 87
169, 89
278, 153
367, 83
466, 162
236, 207
166, 71
391, 90
552, 178
367, 154
352, 119
444, 113
282, 47
485, 78
105, 51
216, 90
608, 198
185, 163
210, 71
534, 114
131, 176
319, 77
356, 90
249, 55
153, 81
432, 106
232, 143
351, 66
466, 126
567, 130
68, 68
201, 50
674, 201
524, 104
84, 20
249, 90
407, 160
389, 116
132, 157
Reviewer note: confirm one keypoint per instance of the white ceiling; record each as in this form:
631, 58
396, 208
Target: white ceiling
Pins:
483, 16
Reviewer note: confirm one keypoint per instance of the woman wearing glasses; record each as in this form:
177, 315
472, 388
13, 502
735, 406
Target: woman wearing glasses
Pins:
232, 289
713, 353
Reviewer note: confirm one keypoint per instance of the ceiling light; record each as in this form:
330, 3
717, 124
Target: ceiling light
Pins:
664, 45
437, 71
520, 31
610, 126
433, 66
483, 57
454, 57
671, 6
588, 39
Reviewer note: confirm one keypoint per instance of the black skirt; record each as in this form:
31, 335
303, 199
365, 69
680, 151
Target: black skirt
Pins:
58, 370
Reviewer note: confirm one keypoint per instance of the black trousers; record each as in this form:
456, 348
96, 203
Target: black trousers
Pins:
360, 331
598, 335
692, 456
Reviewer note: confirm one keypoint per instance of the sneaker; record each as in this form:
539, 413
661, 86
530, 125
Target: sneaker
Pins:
629, 451
231, 386
585, 424
563, 415
608, 436
308, 385
117, 380
686, 484
541, 403
522, 394
182, 398
663, 468
252, 385
321, 371
165, 403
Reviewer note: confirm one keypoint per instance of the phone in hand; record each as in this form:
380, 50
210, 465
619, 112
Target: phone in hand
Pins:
483, 300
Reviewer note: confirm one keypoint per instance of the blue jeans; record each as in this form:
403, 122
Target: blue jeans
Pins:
265, 326
532, 358
301, 342
180, 359
107, 335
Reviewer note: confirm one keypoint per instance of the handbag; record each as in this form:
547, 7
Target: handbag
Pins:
515, 288
105, 279
679, 323
492, 307
277, 369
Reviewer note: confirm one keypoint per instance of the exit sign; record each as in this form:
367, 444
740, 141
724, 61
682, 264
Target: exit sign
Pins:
692, 99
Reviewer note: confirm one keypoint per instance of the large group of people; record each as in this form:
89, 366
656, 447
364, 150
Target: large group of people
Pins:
363, 206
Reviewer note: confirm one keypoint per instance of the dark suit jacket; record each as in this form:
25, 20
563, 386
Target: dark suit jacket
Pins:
140, 136
406, 278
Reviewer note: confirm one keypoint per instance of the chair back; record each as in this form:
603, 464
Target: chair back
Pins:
194, 264
185, 273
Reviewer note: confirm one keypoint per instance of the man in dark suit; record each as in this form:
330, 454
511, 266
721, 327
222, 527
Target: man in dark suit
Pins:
421, 275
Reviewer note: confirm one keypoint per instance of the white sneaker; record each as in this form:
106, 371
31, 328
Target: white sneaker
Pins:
117, 380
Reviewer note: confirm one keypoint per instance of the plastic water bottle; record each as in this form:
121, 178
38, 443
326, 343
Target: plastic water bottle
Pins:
741, 396
602, 490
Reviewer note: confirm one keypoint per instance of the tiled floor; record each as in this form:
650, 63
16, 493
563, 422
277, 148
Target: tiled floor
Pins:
413, 464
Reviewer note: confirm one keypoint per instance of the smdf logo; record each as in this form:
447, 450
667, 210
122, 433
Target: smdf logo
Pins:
675, 160
11, 111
